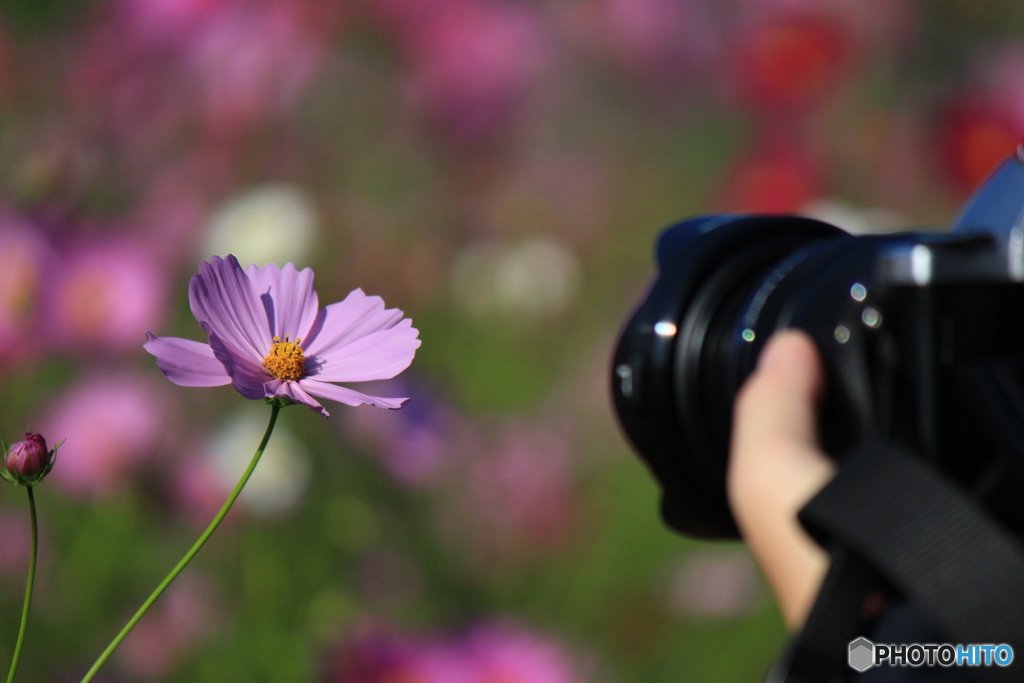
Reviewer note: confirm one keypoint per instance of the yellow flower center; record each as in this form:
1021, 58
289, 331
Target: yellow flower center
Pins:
285, 360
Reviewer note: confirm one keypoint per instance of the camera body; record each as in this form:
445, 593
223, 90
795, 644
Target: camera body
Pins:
921, 334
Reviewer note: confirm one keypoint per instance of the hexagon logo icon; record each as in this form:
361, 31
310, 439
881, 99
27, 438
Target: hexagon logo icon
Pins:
862, 654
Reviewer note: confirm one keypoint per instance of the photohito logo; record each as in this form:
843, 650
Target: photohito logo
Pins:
863, 654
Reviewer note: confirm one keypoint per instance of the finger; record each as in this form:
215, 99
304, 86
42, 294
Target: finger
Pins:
776, 466
777, 404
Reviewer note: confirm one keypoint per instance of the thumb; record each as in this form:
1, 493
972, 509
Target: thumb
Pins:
777, 404
776, 466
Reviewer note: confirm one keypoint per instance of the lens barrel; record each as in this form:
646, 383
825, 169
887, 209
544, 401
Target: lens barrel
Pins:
725, 285
678, 362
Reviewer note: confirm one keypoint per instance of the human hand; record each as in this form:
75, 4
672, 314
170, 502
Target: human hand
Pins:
776, 466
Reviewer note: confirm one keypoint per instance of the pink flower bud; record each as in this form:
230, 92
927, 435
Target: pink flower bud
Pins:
27, 460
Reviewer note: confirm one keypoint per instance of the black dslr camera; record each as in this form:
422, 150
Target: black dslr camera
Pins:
922, 336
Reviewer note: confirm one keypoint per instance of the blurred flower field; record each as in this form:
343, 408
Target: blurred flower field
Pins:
497, 169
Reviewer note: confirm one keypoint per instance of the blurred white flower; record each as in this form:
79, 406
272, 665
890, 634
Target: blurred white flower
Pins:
719, 583
272, 223
537, 277
282, 474
855, 220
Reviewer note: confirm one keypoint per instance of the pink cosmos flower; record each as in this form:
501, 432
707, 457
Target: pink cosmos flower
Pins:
268, 339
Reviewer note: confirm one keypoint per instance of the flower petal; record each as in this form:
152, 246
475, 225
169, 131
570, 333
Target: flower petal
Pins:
344, 322
379, 355
223, 296
187, 363
280, 388
347, 396
247, 377
288, 296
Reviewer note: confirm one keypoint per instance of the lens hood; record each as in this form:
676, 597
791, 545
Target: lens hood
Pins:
672, 380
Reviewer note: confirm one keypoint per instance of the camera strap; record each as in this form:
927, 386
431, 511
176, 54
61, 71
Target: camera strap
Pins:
890, 519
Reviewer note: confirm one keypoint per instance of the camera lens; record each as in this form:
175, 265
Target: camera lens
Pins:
680, 358
725, 284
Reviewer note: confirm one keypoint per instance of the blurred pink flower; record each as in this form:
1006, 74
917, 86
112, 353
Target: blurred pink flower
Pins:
522, 494
149, 71
15, 544
269, 339
112, 422
208, 471
666, 44
179, 622
488, 653
376, 655
252, 63
198, 491
653, 33
103, 295
26, 263
413, 446
122, 86
173, 207
472, 63
512, 654
716, 584
161, 20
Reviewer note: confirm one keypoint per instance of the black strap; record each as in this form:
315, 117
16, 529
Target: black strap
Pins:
818, 655
925, 537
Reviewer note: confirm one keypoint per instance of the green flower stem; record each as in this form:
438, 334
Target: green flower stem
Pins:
275, 409
28, 587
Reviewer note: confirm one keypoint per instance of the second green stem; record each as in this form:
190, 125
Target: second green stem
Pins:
275, 409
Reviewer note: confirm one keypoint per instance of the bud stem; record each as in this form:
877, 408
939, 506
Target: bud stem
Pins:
28, 587
275, 409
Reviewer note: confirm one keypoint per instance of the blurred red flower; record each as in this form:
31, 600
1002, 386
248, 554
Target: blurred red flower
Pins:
774, 179
792, 62
975, 136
